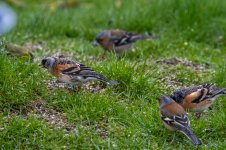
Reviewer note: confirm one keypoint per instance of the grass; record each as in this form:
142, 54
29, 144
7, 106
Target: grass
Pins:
124, 116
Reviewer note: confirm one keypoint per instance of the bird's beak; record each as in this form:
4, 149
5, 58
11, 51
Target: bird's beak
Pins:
95, 43
40, 65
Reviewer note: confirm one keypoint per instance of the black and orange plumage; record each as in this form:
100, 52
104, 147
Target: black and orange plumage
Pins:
174, 118
72, 72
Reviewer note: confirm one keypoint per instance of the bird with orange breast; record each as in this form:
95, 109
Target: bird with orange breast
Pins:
118, 41
72, 72
197, 98
174, 118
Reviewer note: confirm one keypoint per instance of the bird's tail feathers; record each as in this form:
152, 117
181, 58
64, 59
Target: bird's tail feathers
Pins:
103, 78
191, 137
112, 82
142, 37
208, 85
221, 91
224, 90
217, 93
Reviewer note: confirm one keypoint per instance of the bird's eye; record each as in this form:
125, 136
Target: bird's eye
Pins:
100, 40
44, 61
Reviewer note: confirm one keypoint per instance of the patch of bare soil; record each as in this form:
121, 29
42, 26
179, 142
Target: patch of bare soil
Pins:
55, 83
94, 88
184, 62
34, 46
58, 54
53, 117
39, 109
102, 132
61, 55
170, 82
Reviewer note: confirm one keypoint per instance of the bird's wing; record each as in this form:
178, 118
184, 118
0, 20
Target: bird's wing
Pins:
208, 91
78, 69
74, 69
176, 121
68, 66
119, 37
173, 114
190, 94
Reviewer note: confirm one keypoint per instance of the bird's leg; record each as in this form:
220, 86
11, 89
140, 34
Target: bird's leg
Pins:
70, 87
74, 88
102, 56
79, 87
58, 81
198, 115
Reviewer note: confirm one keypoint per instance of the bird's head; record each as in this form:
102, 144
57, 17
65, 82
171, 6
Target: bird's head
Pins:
102, 38
163, 100
48, 62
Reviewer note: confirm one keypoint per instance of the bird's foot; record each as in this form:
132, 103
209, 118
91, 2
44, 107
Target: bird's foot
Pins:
198, 115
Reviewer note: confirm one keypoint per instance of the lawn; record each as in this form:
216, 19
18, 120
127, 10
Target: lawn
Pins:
37, 113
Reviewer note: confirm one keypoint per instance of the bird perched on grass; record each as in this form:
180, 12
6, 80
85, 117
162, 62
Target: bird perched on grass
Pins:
18, 51
118, 41
64, 4
175, 119
72, 72
197, 98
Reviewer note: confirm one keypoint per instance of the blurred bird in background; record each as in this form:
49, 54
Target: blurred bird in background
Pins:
118, 41
7, 22
18, 51
64, 4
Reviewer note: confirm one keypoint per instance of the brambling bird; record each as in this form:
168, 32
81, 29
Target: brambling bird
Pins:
19, 51
197, 98
72, 72
64, 4
175, 119
118, 41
